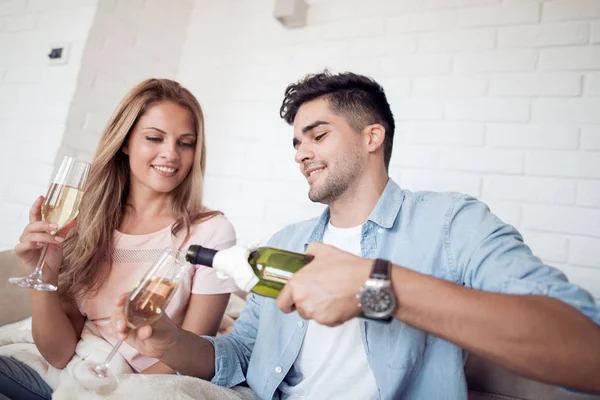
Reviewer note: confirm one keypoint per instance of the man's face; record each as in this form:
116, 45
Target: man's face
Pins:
330, 153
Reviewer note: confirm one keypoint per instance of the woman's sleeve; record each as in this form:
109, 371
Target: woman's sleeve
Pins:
216, 233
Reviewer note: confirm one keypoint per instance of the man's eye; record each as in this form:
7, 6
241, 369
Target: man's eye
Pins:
319, 137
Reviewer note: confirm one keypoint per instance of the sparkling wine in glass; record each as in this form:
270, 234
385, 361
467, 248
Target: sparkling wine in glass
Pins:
145, 304
60, 207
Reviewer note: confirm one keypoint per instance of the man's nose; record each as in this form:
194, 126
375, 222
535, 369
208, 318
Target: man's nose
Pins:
303, 153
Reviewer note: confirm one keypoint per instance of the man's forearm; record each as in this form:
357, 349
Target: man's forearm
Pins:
535, 336
192, 355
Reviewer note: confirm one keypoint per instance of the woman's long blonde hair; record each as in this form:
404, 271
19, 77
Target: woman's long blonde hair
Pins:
90, 244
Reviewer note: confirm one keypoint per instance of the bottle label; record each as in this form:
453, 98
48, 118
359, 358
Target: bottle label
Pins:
276, 275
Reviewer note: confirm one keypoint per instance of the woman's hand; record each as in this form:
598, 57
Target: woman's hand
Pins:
37, 234
151, 341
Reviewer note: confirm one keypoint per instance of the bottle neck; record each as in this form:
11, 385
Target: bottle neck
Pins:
199, 255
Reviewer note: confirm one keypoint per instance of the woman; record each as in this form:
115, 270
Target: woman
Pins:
143, 195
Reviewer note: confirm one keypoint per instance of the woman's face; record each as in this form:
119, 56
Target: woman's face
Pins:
161, 147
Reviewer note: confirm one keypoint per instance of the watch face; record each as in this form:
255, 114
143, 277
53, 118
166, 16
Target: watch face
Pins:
377, 301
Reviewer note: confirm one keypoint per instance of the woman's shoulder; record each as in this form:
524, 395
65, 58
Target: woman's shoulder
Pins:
211, 219
212, 231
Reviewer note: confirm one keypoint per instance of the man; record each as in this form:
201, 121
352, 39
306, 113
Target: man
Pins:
459, 280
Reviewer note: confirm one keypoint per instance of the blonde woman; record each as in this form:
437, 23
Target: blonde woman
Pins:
144, 194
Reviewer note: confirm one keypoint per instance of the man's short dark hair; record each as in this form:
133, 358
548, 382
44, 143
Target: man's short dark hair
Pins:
359, 99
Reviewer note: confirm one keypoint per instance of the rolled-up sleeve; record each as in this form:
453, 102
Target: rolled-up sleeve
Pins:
487, 254
233, 351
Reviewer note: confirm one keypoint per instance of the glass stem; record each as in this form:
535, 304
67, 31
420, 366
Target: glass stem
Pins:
37, 272
103, 368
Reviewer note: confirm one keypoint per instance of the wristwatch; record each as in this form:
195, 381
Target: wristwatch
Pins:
376, 297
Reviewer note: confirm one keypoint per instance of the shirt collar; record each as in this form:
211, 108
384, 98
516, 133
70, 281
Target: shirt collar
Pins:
384, 214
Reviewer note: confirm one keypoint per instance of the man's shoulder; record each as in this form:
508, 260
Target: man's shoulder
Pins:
430, 200
293, 235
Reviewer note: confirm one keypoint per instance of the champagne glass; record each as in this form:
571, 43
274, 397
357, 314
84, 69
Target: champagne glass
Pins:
146, 303
60, 207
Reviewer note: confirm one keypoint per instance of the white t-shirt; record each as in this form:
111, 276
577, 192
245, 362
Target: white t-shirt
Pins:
332, 363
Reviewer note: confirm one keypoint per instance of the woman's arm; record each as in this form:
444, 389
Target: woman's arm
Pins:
56, 326
202, 317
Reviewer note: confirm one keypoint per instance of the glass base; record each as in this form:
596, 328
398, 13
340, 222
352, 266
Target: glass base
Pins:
94, 378
33, 283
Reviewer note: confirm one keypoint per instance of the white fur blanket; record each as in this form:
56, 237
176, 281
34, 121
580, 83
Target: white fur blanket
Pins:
16, 341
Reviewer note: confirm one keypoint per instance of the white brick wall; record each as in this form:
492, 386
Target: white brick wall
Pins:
34, 98
562, 10
495, 98
63, 108
128, 41
592, 84
542, 35
536, 84
596, 32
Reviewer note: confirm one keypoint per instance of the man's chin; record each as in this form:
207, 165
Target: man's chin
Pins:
318, 198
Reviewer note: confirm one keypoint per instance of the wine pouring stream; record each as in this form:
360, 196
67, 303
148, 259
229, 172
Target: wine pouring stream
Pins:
60, 207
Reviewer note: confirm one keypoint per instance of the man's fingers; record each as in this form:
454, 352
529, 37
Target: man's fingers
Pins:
122, 299
145, 332
35, 213
315, 247
285, 300
119, 319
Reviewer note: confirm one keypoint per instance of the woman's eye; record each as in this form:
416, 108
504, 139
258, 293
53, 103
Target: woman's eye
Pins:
153, 139
188, 145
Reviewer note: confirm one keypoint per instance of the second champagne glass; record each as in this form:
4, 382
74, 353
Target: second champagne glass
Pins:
60, 207
145, 304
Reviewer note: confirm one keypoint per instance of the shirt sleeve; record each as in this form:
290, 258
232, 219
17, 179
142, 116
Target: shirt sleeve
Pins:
216, 233
233, 351
487, 254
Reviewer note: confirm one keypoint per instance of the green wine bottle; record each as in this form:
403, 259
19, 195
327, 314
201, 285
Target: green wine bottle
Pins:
273, 267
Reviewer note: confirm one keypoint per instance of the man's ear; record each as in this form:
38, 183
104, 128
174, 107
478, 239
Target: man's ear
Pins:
375, 136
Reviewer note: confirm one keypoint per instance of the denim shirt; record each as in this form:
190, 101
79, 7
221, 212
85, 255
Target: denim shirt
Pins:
446, 235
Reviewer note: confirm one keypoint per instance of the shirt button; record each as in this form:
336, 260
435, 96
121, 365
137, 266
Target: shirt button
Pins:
380, 230
277, 369
300, 324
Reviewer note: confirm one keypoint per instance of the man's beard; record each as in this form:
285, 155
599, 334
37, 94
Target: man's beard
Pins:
337, 181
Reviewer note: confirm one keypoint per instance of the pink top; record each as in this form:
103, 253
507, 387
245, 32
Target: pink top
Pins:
134, 254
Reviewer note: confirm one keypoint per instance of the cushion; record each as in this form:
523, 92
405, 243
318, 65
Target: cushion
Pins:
15, 304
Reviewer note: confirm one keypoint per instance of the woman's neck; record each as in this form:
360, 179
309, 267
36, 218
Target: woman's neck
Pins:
145, 212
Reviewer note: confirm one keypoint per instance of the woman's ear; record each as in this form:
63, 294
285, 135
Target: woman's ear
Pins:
125, 148
375, 137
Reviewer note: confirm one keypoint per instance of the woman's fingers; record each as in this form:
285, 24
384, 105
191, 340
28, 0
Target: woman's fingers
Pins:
35, 212
42, 238
39, 226
121, 299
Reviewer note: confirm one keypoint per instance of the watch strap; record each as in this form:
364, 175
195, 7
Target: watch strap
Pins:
381, 269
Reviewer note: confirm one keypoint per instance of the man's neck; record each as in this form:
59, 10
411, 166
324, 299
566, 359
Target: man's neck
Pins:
356, 204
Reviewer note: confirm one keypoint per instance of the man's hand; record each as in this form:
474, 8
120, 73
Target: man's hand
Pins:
150, 340
325, 289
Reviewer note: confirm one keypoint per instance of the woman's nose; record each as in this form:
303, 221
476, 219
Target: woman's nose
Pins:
170, 151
